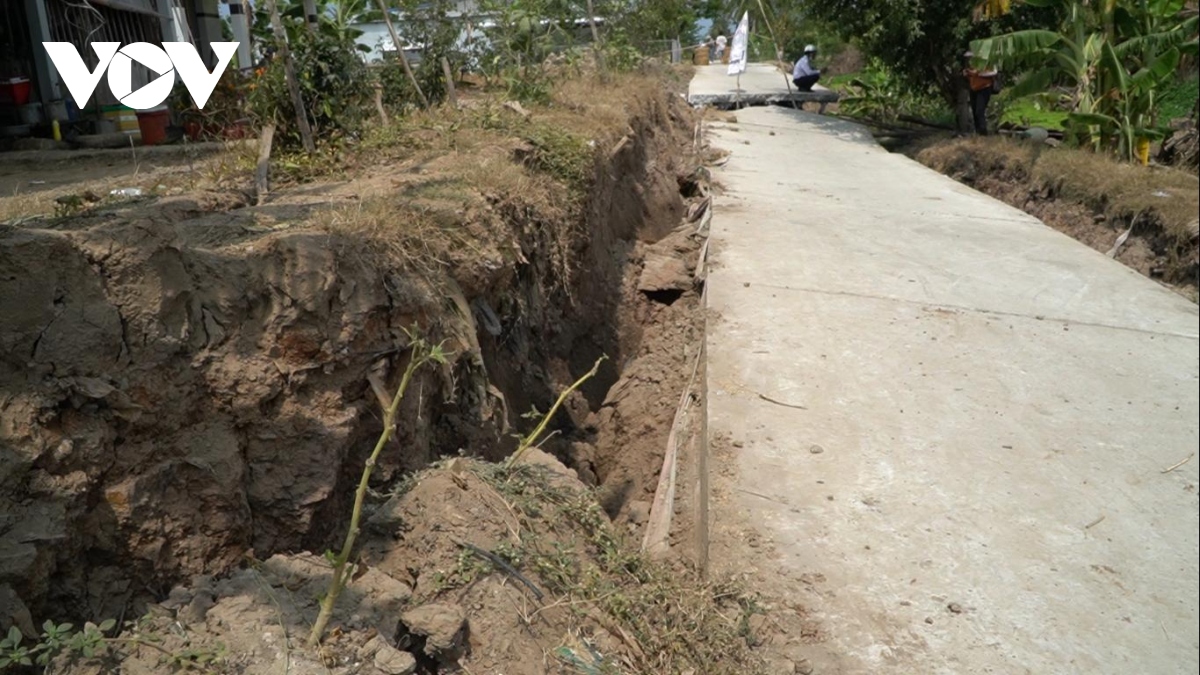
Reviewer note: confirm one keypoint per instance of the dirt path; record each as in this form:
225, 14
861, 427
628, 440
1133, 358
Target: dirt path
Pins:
952, 434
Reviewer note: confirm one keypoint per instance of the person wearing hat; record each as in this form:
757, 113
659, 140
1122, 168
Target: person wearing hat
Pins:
719, 50
982, 84
804, 75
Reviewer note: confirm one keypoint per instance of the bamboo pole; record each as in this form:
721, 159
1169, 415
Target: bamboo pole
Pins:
400, 50
289, 71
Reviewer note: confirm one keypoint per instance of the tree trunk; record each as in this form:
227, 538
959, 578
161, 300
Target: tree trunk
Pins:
289, 71
310, 15
962, 107
597, 45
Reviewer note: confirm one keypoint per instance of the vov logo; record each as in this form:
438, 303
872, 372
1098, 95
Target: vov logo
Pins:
178, 57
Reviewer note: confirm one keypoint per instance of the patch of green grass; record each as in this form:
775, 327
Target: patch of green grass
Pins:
1179, 99
839, 82
560, 154
1033, 112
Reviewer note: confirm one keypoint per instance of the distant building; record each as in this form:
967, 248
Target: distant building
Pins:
475, 23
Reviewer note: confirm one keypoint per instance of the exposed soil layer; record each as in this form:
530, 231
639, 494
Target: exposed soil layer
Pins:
475, 568
1143, 217
183, 380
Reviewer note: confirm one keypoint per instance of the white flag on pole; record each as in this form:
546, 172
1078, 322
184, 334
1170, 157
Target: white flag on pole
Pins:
737, 54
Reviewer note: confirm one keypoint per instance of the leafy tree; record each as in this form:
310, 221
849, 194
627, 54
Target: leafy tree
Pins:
921, 41
646, 21
334, 82
336, 20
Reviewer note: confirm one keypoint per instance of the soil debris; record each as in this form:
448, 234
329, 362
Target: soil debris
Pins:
421, 604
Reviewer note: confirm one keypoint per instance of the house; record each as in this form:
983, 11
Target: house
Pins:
475, 24
31, 91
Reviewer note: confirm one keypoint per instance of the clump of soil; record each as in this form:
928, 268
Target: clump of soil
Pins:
1144, 217
475, 568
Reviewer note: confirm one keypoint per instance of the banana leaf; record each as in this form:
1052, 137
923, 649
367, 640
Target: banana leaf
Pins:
1013, 48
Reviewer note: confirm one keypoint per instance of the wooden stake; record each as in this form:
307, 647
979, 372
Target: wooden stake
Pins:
451, 94
289, 71
383, 118
400, 50
264, 163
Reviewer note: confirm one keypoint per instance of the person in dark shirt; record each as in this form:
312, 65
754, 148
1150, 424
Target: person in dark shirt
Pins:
981, 83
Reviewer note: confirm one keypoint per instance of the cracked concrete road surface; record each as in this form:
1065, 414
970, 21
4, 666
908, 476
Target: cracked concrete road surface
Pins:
977, 475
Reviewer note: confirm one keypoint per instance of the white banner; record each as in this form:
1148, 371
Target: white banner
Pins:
737, 54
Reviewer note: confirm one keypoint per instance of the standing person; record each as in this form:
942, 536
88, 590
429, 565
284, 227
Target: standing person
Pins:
981, 83
719, 50
804, 75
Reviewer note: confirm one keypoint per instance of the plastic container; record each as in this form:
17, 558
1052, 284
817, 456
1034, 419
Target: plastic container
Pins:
153, 124
15, 91
125, 118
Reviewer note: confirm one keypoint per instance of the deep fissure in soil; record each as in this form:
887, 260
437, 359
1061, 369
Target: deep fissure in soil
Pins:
181, 389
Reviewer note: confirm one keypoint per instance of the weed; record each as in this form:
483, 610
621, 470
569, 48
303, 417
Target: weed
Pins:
420, 354
64, 641
560, 154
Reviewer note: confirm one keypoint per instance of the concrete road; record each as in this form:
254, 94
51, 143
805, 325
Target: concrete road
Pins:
977, 479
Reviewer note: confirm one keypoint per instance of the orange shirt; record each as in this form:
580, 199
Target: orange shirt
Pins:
978, 81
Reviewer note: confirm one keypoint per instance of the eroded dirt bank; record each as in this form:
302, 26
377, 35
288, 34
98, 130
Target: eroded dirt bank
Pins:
1143, 217
183, 383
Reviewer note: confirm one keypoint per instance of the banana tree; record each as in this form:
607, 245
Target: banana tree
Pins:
1130, 116
1112, 58
992, 9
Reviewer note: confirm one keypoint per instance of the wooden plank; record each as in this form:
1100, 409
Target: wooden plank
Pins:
658, 528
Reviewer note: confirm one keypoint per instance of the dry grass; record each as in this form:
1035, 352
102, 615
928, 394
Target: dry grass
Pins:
673, 622
1118, 190
21, 206
430, 179
1124, 190
93, 177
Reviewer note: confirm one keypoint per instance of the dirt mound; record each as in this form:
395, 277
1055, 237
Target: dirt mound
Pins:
475, 568
1144, 217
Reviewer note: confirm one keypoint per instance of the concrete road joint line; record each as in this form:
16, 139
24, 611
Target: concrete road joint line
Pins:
977, 310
